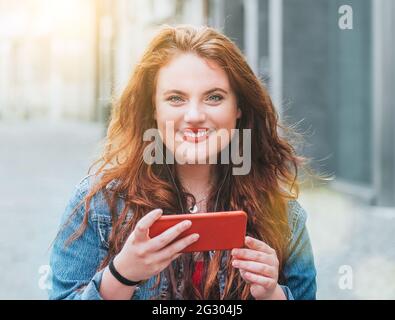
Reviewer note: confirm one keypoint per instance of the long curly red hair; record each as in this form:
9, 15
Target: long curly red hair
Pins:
263, 193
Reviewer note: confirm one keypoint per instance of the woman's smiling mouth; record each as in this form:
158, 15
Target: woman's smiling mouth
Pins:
195, 135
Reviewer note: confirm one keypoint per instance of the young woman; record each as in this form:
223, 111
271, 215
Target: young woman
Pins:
196, 82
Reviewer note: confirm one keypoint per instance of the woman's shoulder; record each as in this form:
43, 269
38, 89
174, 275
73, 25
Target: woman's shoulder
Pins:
98, 205
297, 216
88, 182
83, 187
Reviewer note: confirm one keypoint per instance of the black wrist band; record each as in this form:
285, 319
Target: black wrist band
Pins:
119, 277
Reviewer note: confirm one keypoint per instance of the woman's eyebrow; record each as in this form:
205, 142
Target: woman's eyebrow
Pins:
184, 93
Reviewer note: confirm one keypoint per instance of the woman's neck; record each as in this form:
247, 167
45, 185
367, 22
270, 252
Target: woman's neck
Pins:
196, 179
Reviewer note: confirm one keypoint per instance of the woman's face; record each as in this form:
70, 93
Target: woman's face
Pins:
195, 108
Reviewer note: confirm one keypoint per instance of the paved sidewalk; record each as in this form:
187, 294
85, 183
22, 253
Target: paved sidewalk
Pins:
41, 163
351, 238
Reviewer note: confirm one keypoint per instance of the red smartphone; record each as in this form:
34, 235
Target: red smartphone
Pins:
218, 230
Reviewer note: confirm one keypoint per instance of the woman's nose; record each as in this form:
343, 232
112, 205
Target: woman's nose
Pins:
194, 113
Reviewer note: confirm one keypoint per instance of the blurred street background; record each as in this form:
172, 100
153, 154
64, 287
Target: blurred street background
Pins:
63, 62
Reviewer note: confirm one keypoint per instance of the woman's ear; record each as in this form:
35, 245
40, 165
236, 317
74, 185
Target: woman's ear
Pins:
239, 113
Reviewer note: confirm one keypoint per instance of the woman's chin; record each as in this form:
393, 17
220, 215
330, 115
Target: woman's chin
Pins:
193, 157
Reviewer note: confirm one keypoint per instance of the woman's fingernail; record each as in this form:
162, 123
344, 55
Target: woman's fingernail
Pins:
195, 236
187, 223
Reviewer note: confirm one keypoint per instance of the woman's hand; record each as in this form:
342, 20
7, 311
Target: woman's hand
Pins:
258, 266
142, 257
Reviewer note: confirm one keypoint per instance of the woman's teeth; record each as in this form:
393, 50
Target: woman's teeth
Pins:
195, 135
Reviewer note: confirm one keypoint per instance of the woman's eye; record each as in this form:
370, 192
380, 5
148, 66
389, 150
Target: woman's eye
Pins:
175, 99
215, 98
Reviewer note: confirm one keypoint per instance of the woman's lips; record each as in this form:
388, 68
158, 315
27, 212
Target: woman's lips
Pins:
195, 135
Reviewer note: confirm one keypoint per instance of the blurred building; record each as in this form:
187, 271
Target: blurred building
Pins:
71, 59
136, 22
68, 59
123, 29
337, 84
46, 59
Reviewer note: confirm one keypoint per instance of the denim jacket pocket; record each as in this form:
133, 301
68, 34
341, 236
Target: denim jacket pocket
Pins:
104, 227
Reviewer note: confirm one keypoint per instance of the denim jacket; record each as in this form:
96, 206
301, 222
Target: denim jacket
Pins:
74, 268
